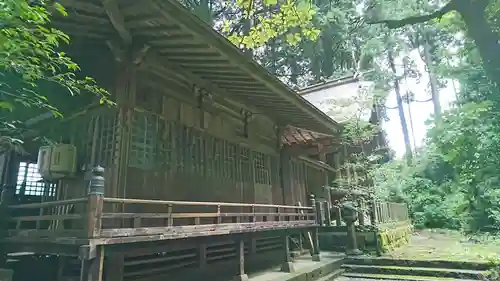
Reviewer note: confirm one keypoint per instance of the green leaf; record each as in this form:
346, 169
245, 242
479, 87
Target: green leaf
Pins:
6, 105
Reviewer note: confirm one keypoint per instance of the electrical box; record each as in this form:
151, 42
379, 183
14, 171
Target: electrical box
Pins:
57, 161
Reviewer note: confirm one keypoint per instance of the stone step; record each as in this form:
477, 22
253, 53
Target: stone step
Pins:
420, 263
331, 276
384, 277
415, 271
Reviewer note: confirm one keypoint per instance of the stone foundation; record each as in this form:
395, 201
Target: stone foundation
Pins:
380, 239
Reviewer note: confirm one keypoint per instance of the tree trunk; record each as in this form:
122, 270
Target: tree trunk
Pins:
433, 82
404, 125
479, 29
475, 16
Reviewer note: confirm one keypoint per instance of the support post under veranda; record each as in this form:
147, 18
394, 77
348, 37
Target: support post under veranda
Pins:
92, 266
240, 255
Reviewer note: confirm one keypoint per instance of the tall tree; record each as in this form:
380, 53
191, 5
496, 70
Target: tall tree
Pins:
480, 18
399, 100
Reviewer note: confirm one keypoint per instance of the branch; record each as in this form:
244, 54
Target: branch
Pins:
393, 24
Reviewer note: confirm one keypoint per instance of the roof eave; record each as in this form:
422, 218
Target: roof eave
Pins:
212, 37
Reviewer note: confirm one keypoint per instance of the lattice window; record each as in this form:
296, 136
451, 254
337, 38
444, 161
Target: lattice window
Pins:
193, 150
108, 131
209, 154
262, 168
218, 158
230, 160
298, 171
197, 151
166, 157
178, 134
187, 149
245, 165
143, 144
30, 182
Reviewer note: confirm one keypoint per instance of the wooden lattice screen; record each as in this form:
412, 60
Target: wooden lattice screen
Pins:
143, 140
94, 134
171, 145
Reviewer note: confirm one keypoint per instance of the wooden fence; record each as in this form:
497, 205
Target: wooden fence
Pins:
387, 212
96, 216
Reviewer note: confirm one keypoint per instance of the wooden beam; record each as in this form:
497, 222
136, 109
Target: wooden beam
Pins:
116, 18
164, 64
174, 11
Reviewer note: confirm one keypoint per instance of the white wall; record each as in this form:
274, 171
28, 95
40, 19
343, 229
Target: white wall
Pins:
343, 102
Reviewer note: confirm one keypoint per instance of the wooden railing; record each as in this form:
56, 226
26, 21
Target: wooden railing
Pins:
387, 212
96, 216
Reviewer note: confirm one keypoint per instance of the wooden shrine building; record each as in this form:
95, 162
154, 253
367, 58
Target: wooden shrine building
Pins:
203, 155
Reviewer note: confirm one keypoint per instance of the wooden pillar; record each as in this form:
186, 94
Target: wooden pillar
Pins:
128, 59
283, 167
320, 215
301, 243
315, 250
327, 210
91, 269
287, 265
315, 236
95, 203
338, 216
240, 254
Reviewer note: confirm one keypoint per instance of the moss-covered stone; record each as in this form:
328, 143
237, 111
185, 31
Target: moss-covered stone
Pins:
394, 236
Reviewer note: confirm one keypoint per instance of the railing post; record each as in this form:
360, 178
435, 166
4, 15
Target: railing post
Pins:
315, 236
219, 218
170, 219
319, 213
312, 204
328, 217
95, 202
338, 216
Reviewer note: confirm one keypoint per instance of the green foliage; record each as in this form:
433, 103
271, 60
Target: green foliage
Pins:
269, 19
453, 182
29, 57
